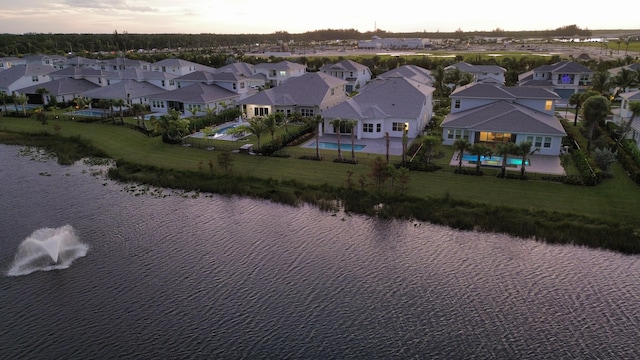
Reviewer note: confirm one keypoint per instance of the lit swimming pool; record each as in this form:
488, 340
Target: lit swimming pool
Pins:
494, 160
334, 146
87, 112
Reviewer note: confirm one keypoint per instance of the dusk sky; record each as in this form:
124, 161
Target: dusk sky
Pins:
263, 17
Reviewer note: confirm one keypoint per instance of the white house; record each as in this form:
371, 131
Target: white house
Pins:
625, 115
196, 98
412, 72
355, 74
21, 76
308, 94
255, 80
481, 73
178, 67
565, 78
491, 114
132, 91
279, 72
392, 105
63, 90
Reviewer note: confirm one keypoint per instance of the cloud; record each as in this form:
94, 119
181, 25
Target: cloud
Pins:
123, 5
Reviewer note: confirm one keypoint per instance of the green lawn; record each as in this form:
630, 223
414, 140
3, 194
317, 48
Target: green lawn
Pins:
615, 199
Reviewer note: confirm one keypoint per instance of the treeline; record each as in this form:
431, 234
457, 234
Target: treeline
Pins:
37, 43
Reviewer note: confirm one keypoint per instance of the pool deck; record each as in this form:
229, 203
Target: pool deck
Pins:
371, 146
540, 164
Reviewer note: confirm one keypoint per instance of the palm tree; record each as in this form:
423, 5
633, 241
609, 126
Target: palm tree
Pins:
601, 82
634, 106
594, 110
337, 123
461, 145
21, 99
504, 150
120, 103
479, 150
138, 112
42, 92
438, 76
170, 126
271, 124
256, 126
578, 99
314, 122
351, 126
523, 150
4, 98
624, 79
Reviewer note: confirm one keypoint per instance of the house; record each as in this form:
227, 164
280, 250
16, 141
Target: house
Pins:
308, 94
279, 72
196, 98
178, 67
227, 80
412, 72
255, 80
356, 74
121, 63
625, 114
481, 73
62, 90
394, 105
21, 76
565, 78
491, 114
132, 91
78, 61
98, 77
7, 62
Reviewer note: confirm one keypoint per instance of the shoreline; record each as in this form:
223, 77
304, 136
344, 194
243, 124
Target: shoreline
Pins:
532, 224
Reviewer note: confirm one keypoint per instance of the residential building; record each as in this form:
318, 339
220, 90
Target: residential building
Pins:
308, 94
132, 91
279, 72
393, 106
412, 72
21, 76
62, 90
178, 67
355, 74
491, 114
625, 115
196, 98
565, 78
481, 73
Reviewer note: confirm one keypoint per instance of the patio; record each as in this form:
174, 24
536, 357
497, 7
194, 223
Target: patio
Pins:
538, 164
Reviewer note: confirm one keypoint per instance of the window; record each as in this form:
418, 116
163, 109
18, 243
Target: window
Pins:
242, 85
397, 126
378, 128
272, 73
547, 142
548, 105
538, 142
367, 128
234, 86
495, 137
306, 112
457, 104
457, 134
162, 83
283, 73
34, 78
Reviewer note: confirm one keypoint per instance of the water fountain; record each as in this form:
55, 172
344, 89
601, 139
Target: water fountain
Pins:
47, 249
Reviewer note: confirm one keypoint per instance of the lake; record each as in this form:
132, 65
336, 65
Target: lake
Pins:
159, 273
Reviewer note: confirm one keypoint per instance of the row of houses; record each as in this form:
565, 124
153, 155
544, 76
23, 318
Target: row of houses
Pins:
395, 103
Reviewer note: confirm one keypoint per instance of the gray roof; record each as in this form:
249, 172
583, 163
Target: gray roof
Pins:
383, 98
476, 69
79, 61
196, 93
15, 73
174, 62
123, 90
62, 86
282, 65
630, 96
77, 71
565, 67
501, 92
344, 65
309, 89
413, 72
504, 116
238, 68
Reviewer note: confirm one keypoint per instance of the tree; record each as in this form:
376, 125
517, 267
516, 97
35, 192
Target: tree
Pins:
624, 79
350, 126
594, 110
271, 124
120, 103
634, 106
314, 122
601, 82
504, 150
461, 145
256, 126
138, 112
578, 99
604, 158
225, 161
429, 145
170, 126
42, 92
379, 171
337, 124
523, 150
479, 150
21, 99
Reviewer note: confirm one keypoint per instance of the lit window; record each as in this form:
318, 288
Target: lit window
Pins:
548, 105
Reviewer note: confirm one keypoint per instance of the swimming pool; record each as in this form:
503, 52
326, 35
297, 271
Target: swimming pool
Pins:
334, 146
494, 160
88, 112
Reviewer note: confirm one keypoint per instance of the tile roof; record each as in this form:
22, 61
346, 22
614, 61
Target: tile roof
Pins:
308, 89
62, 86
15, 73
196, 93
123, 90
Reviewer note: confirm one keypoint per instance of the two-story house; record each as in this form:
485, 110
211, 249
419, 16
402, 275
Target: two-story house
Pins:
481, 73
393, 106
278, 73
565, 78
491, 114
178, 67
355, 74
625, 115
21, 76
412, 72
308, 94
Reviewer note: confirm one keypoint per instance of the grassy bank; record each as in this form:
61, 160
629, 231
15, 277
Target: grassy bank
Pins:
605, 216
